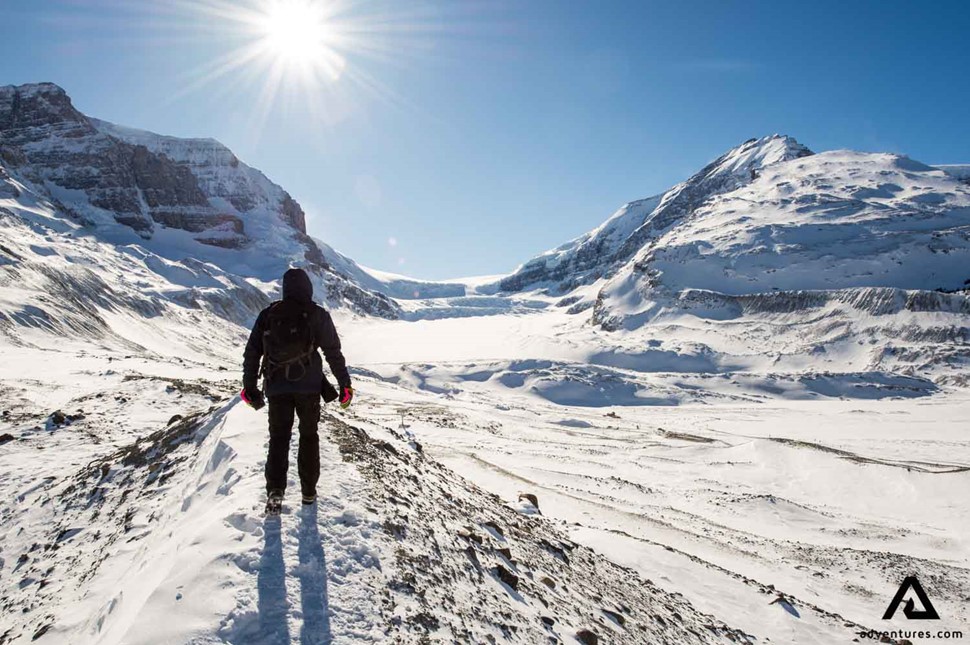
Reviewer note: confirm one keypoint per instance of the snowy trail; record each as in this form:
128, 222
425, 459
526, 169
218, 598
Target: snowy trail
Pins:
177, 529
316, 568
279, 571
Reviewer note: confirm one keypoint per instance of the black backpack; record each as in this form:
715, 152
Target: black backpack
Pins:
289, 339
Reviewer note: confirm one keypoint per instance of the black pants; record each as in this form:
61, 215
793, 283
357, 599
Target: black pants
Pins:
281, 409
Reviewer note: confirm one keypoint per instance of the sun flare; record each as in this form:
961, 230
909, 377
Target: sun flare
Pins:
316, 57
300, 37
296, 31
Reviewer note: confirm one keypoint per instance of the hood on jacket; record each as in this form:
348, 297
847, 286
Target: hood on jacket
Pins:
297, 286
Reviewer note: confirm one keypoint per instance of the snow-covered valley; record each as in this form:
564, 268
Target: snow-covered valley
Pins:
740, 405
127, 515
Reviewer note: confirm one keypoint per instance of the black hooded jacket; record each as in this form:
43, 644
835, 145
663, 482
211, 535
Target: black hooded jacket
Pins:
297, 286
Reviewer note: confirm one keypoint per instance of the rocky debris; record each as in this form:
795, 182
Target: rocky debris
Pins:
469, 534
615, 617
5, 437
785, 603
212, 390
529, 497
58, 419
559, 549
448, 570
507, 577
494, 527
587, 637
580, 307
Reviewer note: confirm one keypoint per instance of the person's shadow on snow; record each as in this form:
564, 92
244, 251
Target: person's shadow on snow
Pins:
271, 586
312, 572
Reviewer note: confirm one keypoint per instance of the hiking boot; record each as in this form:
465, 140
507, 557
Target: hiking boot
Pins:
274, 502
309, 499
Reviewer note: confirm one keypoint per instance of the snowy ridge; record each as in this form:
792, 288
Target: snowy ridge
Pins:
961, 172
601, 251
468, 568
833, 220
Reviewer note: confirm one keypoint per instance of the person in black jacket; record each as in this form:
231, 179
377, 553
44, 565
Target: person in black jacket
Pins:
283, 348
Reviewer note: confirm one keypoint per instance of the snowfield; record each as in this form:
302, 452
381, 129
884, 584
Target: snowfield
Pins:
734, 413
785, 519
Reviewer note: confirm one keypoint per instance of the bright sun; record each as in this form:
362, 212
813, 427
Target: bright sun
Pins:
297, 32
312, 55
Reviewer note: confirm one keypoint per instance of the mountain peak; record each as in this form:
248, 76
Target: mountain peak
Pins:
754, 154
591, 256
33, 89
37, 104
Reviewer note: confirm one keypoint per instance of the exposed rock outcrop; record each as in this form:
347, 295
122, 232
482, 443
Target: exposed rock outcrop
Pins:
102, 175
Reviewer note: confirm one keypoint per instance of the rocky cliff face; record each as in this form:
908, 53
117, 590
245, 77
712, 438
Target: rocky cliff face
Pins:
180, 196
49, 143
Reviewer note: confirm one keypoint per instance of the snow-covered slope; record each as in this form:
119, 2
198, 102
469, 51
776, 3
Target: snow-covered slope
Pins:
957, 171
58, 279
180, 199
396, 286
830, 221
602, 250
843, 254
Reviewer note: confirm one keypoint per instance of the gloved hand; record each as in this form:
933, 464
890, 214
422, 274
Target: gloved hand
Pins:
346, 397
252, 397
328, 391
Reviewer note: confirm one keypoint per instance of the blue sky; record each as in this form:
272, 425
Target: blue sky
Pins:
487, 132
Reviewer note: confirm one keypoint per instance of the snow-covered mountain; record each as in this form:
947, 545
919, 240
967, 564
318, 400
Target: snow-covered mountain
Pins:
603, 249
831, 221
183, 200
772, 250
